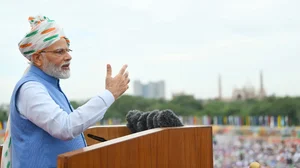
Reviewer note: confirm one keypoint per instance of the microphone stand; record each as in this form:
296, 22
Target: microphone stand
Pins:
96, 138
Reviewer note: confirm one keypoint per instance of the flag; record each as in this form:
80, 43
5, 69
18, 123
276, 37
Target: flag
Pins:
195, 120
216, 120
6, 149
248, 122
272, 122
208, 120
275, 121
279, 121
225, 120
287, 120
6, 146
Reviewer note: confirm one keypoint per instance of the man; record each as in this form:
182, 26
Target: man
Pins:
43, 122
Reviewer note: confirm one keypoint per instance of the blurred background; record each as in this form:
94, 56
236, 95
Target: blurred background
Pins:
230, 64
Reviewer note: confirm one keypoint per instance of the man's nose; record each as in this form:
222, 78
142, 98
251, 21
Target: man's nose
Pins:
68, 57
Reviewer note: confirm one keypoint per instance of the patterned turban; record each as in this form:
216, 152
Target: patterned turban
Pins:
44, 32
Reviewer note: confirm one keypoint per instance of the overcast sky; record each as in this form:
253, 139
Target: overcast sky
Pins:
187, 43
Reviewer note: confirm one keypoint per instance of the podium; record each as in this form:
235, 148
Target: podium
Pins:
174, 147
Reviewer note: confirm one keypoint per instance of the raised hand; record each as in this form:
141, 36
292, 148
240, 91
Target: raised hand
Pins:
119, 84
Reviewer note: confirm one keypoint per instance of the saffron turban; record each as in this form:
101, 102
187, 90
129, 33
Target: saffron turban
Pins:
44, 32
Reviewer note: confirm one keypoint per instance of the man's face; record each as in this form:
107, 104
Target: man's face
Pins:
56, 60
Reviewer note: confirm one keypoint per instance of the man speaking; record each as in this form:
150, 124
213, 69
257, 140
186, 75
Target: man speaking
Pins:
43, 123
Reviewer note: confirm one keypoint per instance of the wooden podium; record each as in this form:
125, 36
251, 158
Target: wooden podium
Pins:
175, 147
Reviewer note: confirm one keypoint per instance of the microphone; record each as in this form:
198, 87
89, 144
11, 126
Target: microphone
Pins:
132, 119
96, 138
150, 117
167, 118
142, 122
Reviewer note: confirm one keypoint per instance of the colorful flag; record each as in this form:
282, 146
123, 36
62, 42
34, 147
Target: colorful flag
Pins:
6, 149
279, 121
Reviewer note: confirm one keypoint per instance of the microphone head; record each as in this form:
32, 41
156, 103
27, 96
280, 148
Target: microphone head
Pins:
150, 119
142, 122
167, 118
132, 118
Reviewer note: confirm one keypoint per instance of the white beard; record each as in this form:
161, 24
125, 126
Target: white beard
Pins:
55, 71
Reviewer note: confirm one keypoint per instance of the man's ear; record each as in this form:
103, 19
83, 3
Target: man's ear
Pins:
37, 59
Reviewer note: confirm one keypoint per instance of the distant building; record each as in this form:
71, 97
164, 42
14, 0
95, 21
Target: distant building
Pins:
247, 92
262, 92
138, 88
220, 87
244, 93
153, 90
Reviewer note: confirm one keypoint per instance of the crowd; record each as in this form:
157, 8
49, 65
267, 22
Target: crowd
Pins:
238, 152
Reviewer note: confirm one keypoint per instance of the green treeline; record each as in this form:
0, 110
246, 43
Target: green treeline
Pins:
186, 105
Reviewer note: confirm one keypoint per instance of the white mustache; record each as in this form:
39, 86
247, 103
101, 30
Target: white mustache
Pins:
66, 63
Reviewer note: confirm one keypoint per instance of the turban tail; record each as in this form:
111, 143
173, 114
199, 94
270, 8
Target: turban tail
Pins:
44, 32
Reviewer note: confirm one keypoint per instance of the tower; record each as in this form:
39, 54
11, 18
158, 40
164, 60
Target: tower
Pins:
220, 87
262, 92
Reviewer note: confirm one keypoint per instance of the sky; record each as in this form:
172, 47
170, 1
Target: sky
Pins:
186, 43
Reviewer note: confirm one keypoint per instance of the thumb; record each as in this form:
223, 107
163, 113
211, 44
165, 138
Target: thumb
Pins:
108, 72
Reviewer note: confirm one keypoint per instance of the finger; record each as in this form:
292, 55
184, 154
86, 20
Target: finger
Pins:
128, 80
126, 74
123, 69
108, 72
